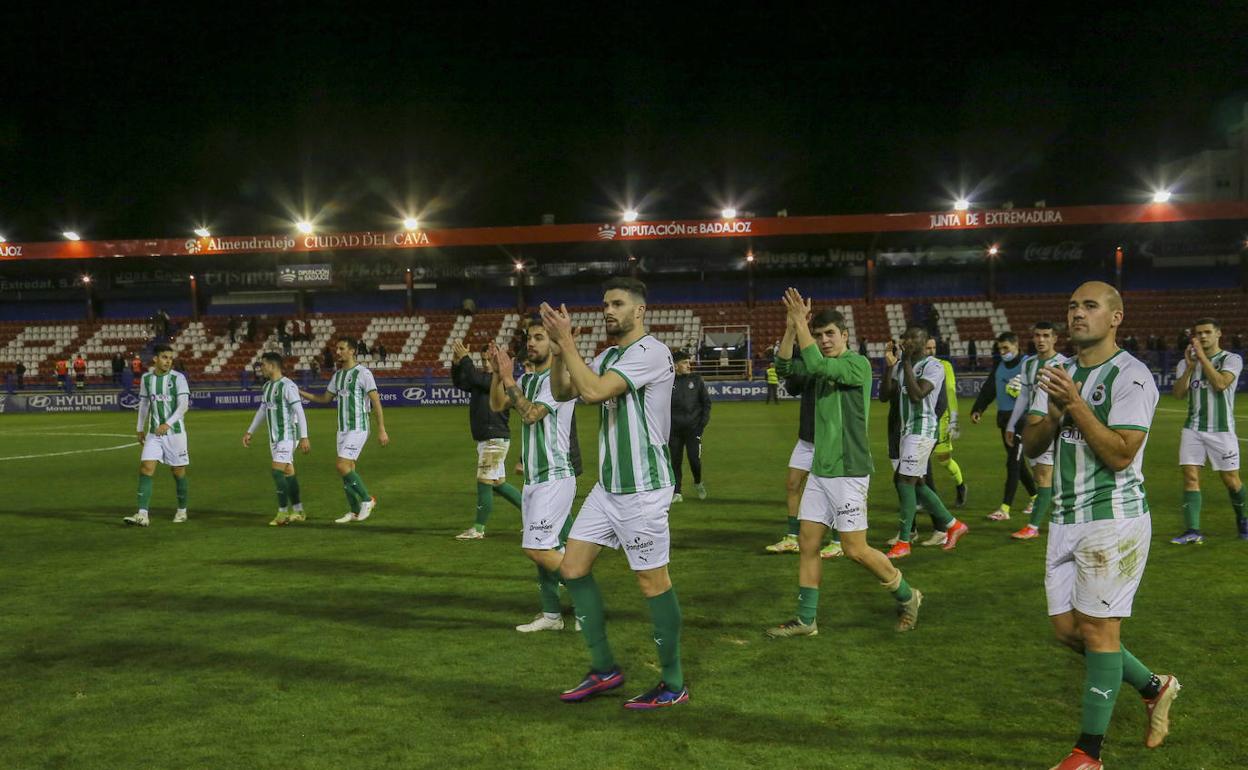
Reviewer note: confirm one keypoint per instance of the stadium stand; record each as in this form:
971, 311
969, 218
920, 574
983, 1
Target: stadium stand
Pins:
420, 345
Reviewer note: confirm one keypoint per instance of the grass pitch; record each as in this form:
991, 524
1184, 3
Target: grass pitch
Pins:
225, 643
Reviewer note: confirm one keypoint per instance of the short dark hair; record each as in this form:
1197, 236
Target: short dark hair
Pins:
529, 324
679, 356
274, 358
828, 316
630, 285
1007, 337
1207, 320
1042, 325
161, 348
351, 341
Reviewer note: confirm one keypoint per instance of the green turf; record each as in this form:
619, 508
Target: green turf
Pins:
225, 643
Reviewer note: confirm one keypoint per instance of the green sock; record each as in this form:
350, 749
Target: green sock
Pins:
145, 492
485, 505
807, 604
292, 489
548, 590
279, 481
1134, 672
665, 615
1102, 679
907, 495
182, 486
1237, 502
588, 602
794, 527
563, 533
1191, 509
508, 493
1044, 498
954, 469
353, 502
903, 592
357, 486
935, 507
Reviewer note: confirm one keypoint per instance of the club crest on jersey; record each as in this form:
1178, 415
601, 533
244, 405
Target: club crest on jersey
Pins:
1098, 395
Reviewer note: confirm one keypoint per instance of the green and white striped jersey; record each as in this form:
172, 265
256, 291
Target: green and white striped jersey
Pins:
1123, 396
352, 386
546, 445
283, 409
1032, 366
158, 401
920, 419
1207, 410
635, 426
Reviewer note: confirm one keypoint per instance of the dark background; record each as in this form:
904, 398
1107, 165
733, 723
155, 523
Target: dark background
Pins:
131, 122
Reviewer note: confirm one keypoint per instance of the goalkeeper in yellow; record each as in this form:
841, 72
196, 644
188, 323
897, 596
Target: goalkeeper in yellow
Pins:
943, 453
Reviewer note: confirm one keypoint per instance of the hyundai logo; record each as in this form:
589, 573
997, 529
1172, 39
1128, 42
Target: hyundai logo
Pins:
39, 402
414, 394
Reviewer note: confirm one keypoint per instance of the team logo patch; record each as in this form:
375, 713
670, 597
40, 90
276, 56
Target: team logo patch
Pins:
1098, 395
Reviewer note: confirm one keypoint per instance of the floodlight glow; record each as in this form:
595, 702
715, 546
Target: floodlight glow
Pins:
961, 204
70, 235
410, 223
2, 239
993, 251
729, 213
519, 266
749, 257
630, 215
304, 226
86, 279
202, 232
1161, 196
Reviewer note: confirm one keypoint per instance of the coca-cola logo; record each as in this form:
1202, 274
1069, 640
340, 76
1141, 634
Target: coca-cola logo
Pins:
1066, 251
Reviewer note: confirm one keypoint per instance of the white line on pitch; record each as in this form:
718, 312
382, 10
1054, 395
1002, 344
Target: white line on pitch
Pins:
70, 452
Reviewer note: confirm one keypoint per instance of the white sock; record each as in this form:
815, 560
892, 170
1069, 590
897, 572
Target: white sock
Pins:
142, 513
551, 615
181, 510
282, 509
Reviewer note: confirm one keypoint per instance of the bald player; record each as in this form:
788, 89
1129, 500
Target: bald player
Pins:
1095, 412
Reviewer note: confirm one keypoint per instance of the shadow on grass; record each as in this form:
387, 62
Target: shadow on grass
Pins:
353, 568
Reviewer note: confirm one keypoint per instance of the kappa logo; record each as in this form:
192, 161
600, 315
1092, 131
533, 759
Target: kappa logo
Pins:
414, 394
1098, 395
606, 233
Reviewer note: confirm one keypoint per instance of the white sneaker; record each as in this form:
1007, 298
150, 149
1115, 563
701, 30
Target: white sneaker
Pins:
541, 623
999, 515
137, 520
701, 489
678, 498
788, 544
366, 509
472, 533
179, 517
937, 538
345, 518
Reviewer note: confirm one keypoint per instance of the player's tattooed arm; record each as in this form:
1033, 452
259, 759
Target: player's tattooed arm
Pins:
528, 411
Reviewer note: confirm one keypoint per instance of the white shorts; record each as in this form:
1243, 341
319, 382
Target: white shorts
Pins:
1221, 449
1096, 567
915, 451
544, 509
351, 443
492, 459
1044, 459
283, 451
637, 520
169, 449
839, 503
803, 456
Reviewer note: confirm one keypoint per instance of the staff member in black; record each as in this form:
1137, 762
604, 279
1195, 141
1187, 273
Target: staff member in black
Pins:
492, 432
691, 411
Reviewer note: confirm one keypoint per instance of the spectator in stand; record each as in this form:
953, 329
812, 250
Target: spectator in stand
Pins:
136, 367
315, 368
361, 349
119, 366
942, 348
232, 326
327, 362
178, 366
862, 346
380, 352
1131, 344
251, 328
972, 355
62, 371
1237, 343
163, 319
80, 370
20, 371
1183, 340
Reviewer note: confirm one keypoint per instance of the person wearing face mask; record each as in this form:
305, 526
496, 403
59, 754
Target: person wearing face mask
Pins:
1003, 386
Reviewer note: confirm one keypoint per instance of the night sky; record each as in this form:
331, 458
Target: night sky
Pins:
138, 125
